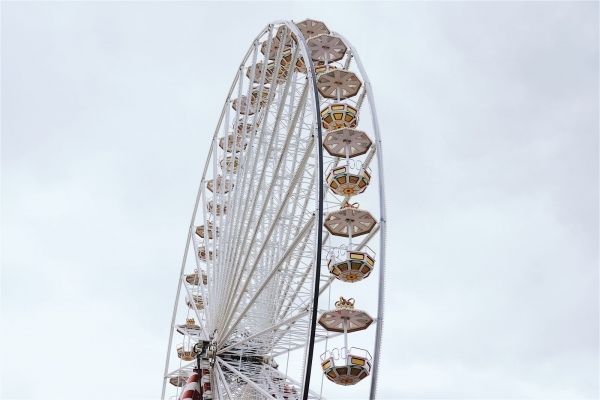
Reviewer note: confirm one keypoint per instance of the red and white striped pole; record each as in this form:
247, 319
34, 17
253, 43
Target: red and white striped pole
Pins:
192, 389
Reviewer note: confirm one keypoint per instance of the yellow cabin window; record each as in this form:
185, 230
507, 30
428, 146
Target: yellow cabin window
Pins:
358, 361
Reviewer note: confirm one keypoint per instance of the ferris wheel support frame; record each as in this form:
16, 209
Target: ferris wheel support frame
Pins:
239, 248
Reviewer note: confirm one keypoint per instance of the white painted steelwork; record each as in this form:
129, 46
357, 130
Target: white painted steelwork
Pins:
267, 279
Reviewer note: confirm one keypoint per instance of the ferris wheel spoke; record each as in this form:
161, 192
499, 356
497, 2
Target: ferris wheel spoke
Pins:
294, 269
281, 375
212, 151
296, 293
369, 157
258, 184
222, 382
245, 378
233, 141
348, 60
269, 233
187, 367
287, 300
289, 340
243, 252
272, 91
269, 99
361, 97
257, 288
303, 232
275, 176
268, 331
281, 212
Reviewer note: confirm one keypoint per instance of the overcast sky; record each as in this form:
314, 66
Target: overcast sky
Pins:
489, 119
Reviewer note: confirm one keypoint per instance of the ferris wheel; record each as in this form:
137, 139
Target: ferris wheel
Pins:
280, 293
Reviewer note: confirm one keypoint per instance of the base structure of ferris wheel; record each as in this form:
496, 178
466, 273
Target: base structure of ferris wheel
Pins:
279, 250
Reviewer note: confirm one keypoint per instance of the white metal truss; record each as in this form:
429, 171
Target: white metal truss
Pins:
264, 248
